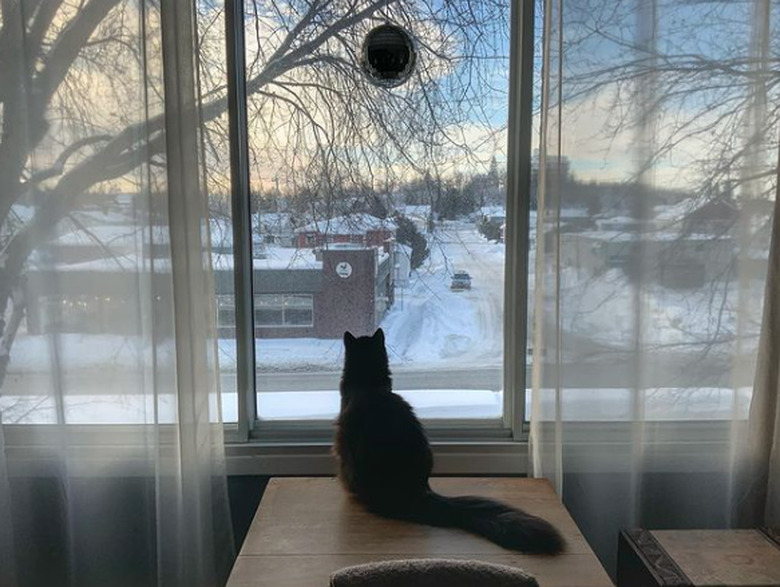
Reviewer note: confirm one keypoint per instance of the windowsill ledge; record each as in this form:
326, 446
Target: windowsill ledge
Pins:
451, 458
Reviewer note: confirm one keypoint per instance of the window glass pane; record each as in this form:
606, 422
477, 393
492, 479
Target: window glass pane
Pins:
80, 221
369, 199
226, 315
269, 317
664, 191
295, 317
293, 301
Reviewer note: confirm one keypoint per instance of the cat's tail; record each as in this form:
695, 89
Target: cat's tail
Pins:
504, 525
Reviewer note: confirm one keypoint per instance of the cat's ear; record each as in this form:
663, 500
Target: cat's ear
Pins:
348, 338
379, 335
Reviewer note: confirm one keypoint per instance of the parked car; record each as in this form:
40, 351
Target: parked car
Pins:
460, 280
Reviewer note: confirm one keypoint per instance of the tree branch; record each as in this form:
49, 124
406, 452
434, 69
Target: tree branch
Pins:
62, 159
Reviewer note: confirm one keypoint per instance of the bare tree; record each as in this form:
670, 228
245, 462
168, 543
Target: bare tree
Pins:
81, 105
713, 68
689, 95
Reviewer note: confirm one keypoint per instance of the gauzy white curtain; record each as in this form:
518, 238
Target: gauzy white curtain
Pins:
656, 186
111, 454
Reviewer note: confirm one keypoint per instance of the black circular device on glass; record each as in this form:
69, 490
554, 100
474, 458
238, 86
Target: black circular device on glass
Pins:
388, 55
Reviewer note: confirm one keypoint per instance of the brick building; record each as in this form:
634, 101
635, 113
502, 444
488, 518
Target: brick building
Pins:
350, 288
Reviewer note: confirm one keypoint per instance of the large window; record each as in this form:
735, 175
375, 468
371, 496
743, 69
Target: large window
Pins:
409, 208
371, 198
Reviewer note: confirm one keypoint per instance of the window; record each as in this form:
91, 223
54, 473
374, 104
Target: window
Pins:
661, 320
284, 310
391, 191
80, 313
66, 313
322, 150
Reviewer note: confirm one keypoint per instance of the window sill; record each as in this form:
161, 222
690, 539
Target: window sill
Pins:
592, 446
450, 458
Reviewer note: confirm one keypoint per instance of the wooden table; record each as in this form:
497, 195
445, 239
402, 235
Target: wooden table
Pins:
307, 528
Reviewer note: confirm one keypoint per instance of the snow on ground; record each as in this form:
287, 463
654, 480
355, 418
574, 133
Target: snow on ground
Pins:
580, 405
324, 405
275, 258
604, 308
288, 354
82, 352
431, 326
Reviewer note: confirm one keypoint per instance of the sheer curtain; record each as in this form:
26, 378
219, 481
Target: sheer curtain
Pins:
657, 179
111, 454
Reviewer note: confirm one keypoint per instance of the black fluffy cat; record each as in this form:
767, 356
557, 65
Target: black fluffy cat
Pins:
385, 460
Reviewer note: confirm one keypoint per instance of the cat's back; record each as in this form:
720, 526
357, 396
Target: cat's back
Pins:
380, 427
382, 447
379, 413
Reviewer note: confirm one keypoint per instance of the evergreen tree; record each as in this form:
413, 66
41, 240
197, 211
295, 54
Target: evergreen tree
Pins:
407, 234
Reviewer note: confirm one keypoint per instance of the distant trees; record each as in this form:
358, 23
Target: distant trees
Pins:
455, 202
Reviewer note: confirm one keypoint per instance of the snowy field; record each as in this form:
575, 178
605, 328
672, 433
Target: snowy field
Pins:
580, 405
604, 308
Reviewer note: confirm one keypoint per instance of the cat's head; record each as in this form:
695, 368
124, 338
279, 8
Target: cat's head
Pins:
365, 354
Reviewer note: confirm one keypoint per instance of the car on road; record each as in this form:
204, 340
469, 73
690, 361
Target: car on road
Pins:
460, 280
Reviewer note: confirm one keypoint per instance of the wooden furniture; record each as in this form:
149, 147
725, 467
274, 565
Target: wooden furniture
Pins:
307, 528
685, 558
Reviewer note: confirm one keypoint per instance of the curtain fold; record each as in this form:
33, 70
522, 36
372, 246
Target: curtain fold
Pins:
654, 400
758, 500
112, 467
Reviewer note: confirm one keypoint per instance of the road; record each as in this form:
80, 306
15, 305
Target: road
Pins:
658, 373
468, 251
661, 372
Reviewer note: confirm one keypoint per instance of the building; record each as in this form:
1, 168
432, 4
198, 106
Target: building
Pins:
493, 214
79, 284
351, 288
682, 246
360, 229
717, 217
669, 259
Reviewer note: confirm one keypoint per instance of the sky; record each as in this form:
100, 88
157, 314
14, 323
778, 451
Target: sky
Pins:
601, 138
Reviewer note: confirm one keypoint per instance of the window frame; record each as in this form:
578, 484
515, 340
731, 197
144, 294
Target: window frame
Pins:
509, 430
